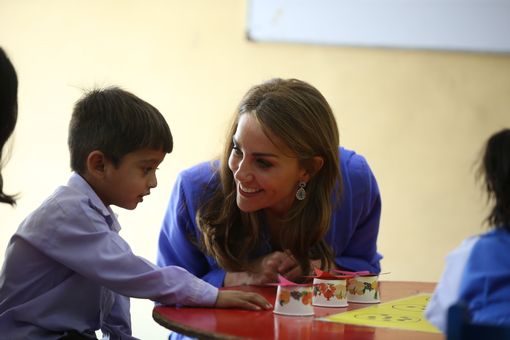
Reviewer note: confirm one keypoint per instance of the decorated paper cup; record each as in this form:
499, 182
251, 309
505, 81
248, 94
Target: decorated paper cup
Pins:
329, 293
363, 289
294, 300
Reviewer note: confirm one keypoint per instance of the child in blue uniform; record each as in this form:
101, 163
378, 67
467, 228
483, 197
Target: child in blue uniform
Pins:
67, 271
478, 271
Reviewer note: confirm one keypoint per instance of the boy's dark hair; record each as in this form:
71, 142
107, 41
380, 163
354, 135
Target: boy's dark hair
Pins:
8, 111
495, 169
115, 122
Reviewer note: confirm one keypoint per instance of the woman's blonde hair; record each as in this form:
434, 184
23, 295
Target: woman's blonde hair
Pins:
299, 116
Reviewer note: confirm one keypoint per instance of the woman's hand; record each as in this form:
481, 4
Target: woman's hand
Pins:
244, 300
265, 270
292, 271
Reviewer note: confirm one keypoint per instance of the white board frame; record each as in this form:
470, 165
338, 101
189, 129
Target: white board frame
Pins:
466, 25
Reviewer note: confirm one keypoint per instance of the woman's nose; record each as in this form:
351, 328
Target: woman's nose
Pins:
243, 172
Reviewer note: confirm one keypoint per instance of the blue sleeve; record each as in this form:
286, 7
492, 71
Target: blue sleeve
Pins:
176, 245
355, 223
485, 282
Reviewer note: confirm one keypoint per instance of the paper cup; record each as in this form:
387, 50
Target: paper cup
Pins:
363, 289
294, 300
330, 293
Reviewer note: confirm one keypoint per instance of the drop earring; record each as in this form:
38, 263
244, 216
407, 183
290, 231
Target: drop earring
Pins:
301, 192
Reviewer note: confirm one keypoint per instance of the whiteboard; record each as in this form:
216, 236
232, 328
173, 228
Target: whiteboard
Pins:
467, 25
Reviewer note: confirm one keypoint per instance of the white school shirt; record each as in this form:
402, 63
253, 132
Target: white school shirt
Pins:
67, 268
448, 289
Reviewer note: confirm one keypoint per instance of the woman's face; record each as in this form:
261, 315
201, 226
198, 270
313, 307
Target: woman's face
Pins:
266, 175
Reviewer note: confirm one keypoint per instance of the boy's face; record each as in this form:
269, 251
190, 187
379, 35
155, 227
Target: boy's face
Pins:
127, 184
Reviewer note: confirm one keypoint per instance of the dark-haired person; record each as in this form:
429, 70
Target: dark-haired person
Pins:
8, 112
478, 271
283, 198
67, 271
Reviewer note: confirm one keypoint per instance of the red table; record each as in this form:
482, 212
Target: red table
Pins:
214, 323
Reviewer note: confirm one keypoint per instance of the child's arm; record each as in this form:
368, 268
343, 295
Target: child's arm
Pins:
103, 257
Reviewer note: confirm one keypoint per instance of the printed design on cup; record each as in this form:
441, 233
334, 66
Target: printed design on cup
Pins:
329, 290
362, 287
304, 296
293, 298
356, 287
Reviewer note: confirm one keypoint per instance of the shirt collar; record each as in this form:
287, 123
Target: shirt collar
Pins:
78, 183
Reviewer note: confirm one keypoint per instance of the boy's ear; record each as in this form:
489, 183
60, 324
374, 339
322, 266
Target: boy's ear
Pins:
96, 163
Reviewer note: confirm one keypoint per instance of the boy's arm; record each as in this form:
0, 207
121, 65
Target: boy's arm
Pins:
81, 239
106, 259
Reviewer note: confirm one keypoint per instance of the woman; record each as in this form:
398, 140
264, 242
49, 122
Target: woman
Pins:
280, 201
8, 111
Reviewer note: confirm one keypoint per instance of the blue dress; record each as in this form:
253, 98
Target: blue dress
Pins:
486, 282
352, 234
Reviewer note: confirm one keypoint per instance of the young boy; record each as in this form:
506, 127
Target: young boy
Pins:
67, 272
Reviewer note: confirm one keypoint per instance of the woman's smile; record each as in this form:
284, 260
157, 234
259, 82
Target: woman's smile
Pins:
248, 190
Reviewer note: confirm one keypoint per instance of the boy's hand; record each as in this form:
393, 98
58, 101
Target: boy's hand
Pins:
239, 299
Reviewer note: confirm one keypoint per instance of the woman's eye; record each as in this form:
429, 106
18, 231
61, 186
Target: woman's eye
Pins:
263, 163
236, 150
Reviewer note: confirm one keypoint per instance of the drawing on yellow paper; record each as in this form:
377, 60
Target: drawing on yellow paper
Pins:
406, 313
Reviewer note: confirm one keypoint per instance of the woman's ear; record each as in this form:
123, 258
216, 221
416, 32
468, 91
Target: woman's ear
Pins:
96, 164
313, 167
317, 164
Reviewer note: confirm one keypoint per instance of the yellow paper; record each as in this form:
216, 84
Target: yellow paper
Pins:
406, 313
